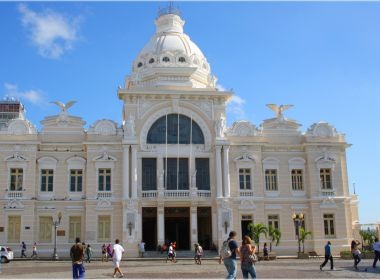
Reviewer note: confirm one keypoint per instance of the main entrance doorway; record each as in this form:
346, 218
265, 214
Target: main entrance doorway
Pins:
177, 226
204, 227
149, 227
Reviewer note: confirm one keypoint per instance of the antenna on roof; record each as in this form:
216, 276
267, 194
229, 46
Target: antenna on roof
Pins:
170, 9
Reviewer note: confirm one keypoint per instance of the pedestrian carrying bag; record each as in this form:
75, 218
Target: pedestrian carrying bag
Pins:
252, 258
225, 252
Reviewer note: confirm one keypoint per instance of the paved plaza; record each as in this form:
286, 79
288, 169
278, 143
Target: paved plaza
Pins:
185, 268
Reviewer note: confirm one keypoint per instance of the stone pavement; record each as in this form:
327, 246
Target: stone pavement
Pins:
185, 268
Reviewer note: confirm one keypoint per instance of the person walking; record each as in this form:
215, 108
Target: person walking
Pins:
266, 252
171, 254
198, 253
88, 253
141, 248
247, 258
77, 256
109, 251
23, 250
117, 253
328, 256
34, 251
376, 248
229, 259
104, 253
355, 253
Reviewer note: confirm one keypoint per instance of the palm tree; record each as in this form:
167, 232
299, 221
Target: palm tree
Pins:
303, 234
275, 235
255, 231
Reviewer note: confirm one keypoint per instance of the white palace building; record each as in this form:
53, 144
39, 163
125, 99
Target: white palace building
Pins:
172, 170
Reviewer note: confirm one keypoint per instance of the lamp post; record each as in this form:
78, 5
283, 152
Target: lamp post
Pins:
56, 224
298, 219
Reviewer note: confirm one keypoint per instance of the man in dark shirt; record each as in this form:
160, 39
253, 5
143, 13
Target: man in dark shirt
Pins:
328, 256
230, 262
77, 256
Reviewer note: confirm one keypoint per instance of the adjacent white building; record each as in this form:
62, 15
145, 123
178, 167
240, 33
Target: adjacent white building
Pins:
172, 170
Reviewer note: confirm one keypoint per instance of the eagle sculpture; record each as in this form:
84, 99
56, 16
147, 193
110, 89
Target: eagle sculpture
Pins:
279, 109
64, 107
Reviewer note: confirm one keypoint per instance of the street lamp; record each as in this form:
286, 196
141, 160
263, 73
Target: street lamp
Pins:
56, 224
298, 219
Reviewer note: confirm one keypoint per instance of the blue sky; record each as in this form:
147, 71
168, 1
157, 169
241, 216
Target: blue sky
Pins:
323, 57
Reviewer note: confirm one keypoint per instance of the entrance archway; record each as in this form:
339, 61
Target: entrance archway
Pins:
149, 227
177, 226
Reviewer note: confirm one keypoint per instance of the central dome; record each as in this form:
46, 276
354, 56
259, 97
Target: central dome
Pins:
171, 59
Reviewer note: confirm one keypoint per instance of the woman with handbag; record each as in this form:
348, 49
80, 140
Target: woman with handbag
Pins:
248, 258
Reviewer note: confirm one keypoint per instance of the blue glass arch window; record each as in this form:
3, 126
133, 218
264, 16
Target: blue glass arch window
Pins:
169, 125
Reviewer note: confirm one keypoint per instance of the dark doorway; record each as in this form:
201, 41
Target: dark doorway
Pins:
246, 220
204, 227
177, 226
149, 228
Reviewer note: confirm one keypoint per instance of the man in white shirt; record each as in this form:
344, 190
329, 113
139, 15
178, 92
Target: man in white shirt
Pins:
376, 247
117, 253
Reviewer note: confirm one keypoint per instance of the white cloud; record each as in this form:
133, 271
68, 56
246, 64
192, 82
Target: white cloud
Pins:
32, 96
235, 106
51, 32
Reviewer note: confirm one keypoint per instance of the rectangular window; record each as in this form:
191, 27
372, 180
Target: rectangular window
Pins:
329, 225
76, 180
14, 229
176, 174
274, 221
16, 179
202, 166
104, 179
47, 177
245, 178
297, 180
45, 233
149, 174
74, 228
271, 180
104, 228
325, 175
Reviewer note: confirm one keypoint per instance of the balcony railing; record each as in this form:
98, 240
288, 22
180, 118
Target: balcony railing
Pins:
104, 194
14, 194
149, 194
328, 193
173, 194
204, 193
177, 194
244, 193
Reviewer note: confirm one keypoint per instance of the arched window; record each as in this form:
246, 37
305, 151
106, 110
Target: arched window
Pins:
166, 59
169, 124
139, 64
151, 60
182, 59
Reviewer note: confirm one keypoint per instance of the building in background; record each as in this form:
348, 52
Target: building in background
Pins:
172, 170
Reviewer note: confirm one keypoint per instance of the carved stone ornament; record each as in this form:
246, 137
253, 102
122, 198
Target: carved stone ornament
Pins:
322, 129
103, 127
241, 128
21, 127
15, 204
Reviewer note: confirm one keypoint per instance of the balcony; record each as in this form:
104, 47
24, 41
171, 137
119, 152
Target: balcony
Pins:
103, 195
175, 194
245, 193
328, 192
14, 194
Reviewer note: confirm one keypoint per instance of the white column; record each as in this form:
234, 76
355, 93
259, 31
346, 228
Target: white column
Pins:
194, 224
218, 165
126, 172
134, 172
160, 225
226, 171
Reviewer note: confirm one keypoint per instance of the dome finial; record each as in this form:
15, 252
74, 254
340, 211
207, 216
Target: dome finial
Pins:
170, 9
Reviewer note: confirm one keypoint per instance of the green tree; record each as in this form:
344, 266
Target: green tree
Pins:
368, 236
274, 235
255, 230
303, 234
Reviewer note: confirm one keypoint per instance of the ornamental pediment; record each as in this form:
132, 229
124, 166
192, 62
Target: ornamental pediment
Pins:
21, 127
241, 128
322, 129
63, 123
103, 127
280, 126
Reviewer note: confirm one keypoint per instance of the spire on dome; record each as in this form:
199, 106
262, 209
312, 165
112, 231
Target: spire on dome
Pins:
170, 9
